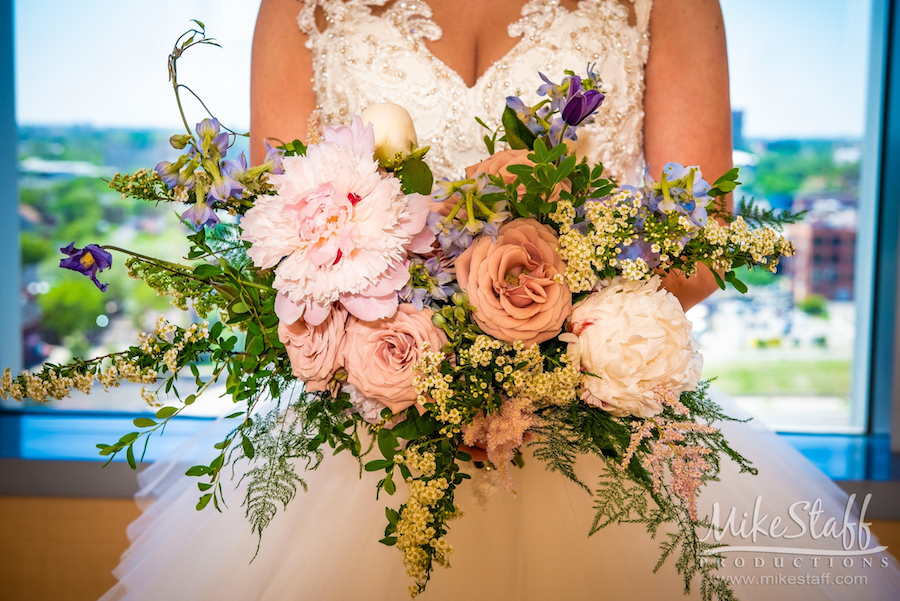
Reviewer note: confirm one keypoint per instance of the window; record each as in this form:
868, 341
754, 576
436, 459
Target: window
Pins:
786, 348
92, 99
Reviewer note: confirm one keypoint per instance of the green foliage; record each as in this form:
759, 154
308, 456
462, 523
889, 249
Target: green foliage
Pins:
72, 306
758, 278
628, 495
815, 305
35, 248
757, 216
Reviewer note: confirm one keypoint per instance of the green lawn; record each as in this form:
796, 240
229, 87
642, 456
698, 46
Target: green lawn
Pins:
794, 378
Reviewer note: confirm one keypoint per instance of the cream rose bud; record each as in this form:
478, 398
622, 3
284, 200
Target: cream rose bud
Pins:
394, 130
630, 338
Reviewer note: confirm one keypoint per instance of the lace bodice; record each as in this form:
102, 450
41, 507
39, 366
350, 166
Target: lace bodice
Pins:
360, 59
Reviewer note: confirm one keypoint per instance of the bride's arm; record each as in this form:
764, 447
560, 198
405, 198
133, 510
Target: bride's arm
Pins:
687, 107
281, 93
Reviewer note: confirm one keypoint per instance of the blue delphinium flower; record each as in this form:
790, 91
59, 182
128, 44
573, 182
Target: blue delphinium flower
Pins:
212, 142
555, 92
274, 157
525, 114
169, 172
639, 249
199, 216
428, 281
88, 260
580, 104
556, 126
679, 190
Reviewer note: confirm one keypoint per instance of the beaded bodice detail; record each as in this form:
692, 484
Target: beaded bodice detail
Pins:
362, 58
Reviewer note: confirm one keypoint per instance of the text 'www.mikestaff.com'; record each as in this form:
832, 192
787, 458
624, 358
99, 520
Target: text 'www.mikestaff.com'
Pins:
817, 579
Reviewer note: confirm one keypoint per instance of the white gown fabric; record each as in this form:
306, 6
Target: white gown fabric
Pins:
533, 546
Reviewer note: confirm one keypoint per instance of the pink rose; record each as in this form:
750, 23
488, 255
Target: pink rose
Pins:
380, 356
497, 164
512, 283
314, 351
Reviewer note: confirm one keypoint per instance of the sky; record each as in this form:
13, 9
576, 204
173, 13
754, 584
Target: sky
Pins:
798, 67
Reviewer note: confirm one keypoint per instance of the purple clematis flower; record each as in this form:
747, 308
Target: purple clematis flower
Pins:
88, 260
580, 104
199, 216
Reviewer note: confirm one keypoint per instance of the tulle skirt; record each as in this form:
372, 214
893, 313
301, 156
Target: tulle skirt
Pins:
531, 546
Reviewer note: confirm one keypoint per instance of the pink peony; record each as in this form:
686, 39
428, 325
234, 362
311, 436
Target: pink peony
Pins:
314, 351
512, 283
380, 356
337, 231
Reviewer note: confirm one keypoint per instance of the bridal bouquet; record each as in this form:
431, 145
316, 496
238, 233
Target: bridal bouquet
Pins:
430, 322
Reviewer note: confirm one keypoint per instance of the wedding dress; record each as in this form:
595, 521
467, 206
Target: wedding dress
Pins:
534, 545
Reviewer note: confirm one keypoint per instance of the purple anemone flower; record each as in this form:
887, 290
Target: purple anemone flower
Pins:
199, 216
580, 104
88, 260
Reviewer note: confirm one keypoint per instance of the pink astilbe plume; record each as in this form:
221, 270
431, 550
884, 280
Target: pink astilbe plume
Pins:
502, 433
687, 463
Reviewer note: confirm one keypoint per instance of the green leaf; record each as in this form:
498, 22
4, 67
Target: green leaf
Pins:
197, 470
128, 438
462, 456
166, 412
234, 415
206, 270
378, 464
719, 280
190, 399
204, 501
239, 308
389, 486
740, 286
518, 135
390, 541
204, 486
248, 447
144, 422
415, 177
387, 443
216, 329
392, 515
130, 456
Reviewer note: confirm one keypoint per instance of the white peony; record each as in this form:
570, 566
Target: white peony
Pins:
632, 337
394, 130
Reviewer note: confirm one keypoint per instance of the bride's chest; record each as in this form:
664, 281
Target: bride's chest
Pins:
362, 56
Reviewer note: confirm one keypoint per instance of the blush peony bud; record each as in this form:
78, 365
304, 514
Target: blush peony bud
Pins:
394, 131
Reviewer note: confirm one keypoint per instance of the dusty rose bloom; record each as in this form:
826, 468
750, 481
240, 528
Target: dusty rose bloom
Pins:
314, 351
511, 283
380, 356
